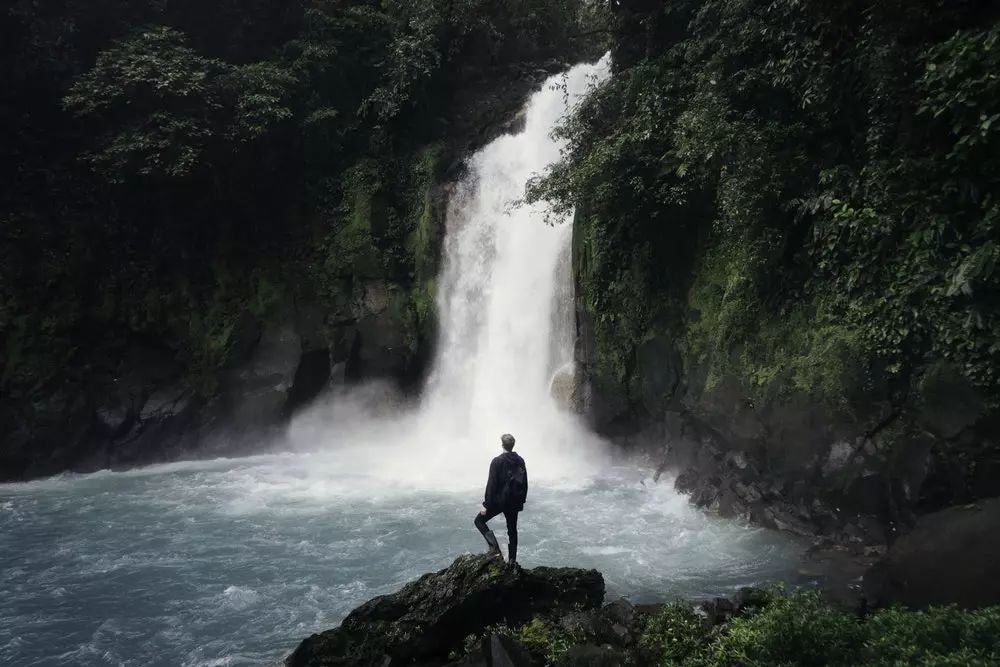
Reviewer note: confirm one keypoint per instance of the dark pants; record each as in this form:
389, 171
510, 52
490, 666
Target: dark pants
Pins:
511, 517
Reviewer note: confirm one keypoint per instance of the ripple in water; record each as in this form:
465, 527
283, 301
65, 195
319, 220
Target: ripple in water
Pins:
234, 562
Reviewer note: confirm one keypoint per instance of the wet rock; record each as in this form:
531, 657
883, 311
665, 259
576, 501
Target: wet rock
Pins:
564, 390
378, 349
717, 610
495, 650
113, 420
840, 454
620, 612
687, 482
749, 599
951, 556
165, 403
258, 390
784, 518
948, 403
431, 616
837, 569
503, 651
748, 493
311, 378
376, 297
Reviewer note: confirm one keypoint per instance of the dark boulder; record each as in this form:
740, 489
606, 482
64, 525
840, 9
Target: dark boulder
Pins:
496, 650
256, 391
951, 556
430, 617
503, 651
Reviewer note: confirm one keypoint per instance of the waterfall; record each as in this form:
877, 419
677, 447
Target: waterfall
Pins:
506, 331
506, 292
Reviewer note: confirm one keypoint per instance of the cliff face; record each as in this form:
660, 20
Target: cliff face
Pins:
783, 293
794, 462
217, 213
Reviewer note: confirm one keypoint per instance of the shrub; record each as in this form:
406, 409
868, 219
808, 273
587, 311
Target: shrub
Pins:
804, 629
676, 633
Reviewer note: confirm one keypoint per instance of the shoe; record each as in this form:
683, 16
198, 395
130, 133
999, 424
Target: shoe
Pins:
491, 540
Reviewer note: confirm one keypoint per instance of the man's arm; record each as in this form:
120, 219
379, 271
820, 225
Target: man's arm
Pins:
525, 480
491, 482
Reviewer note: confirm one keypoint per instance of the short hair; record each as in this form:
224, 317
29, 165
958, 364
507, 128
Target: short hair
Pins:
507, 440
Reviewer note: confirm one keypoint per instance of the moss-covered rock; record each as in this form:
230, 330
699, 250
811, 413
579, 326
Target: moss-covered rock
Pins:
429, 618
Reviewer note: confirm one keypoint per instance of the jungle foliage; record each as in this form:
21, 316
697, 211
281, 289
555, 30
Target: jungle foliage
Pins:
802, 628
169, 166
804, 193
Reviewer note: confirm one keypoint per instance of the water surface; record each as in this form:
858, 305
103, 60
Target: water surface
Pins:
232, 562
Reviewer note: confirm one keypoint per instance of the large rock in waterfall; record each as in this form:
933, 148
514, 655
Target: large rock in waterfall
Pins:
429, 617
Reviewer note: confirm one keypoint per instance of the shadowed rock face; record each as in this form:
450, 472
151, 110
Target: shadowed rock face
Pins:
951, 556
430, 616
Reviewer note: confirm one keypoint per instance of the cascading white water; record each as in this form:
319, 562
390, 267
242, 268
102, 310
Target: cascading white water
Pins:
505, 307
505, 285
232, 562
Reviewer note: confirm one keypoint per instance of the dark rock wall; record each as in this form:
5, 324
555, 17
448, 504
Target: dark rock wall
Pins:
858, 471
140, 403
950, 557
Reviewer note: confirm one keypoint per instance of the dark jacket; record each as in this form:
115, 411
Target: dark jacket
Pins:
500, 469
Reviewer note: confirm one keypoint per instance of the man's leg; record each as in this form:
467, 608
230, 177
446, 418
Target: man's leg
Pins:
511, 517
491, 539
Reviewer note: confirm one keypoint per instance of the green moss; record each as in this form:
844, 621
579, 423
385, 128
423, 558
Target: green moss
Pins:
721, 310
732, 335
424, 241
546, 639
616, 300
351, 249
423, 245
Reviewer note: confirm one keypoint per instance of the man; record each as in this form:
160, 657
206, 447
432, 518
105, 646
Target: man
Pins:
506, 491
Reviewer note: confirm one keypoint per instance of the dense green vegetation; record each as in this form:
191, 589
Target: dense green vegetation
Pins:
545, 639
803, 195
800, 628
173, 168
803, 629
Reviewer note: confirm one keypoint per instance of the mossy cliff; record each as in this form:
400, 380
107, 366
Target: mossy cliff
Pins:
785, 245
214, 213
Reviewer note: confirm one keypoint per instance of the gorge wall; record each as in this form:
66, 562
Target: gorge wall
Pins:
215, 213
785, 249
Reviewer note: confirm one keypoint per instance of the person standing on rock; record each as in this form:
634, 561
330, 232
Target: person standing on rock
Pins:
506, 491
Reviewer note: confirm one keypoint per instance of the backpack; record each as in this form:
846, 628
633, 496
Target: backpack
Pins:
515, 488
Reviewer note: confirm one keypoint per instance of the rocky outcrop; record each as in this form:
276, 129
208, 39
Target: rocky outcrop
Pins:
478, 613
430, 617
142, 404
859, 474
951, 556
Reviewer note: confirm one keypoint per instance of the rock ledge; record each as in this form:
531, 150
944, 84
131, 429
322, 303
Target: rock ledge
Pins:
429, 617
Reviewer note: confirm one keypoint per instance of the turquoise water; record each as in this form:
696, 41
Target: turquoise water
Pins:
232, 562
